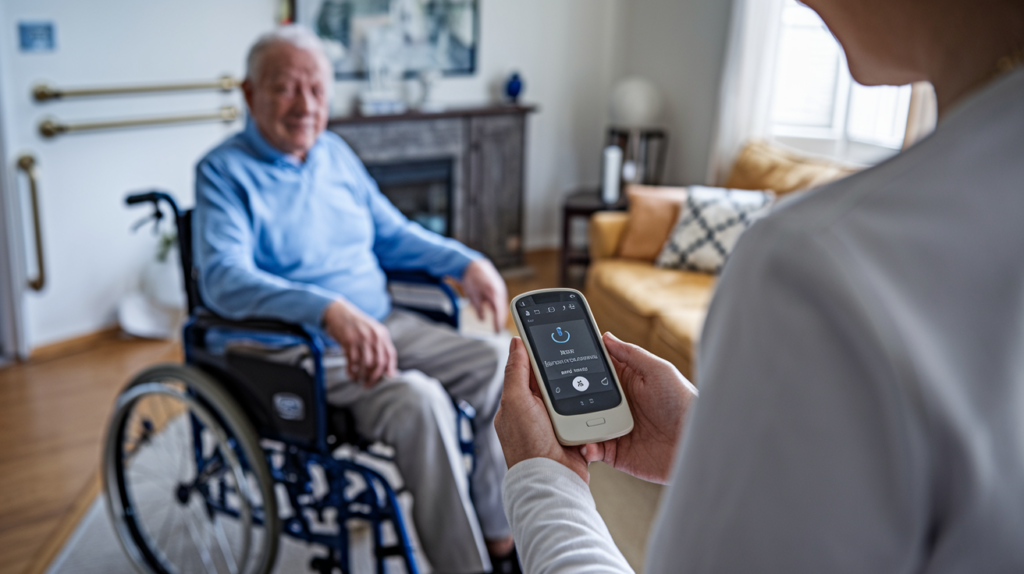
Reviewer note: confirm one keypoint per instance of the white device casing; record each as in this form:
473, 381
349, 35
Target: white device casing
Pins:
572, 429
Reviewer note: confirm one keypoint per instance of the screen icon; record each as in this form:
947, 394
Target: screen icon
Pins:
563, 335
558, 390
551, 309
527, 313
581, 384
604, 381
522, 303
572, 305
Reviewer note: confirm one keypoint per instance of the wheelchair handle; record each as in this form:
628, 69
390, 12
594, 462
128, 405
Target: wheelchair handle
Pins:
155, 196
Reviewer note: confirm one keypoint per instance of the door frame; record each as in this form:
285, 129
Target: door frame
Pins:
13, 342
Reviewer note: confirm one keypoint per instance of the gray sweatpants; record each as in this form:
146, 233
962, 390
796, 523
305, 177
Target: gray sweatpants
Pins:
414, 414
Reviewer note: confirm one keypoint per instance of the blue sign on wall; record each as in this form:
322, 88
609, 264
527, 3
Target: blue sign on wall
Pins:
37, 36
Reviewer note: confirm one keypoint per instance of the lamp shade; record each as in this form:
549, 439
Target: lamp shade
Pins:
635, 102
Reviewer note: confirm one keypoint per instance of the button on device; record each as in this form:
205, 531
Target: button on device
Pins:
581, 384
595, 422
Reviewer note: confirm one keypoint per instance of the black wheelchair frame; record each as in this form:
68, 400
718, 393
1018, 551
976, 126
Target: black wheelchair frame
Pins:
256, 428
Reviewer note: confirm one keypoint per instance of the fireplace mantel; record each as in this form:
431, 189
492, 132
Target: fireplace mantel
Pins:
487, 149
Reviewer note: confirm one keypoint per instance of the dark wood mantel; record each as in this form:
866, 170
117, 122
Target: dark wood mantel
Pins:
455, 112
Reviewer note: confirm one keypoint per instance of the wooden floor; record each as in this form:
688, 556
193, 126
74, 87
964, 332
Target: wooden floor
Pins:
53, 415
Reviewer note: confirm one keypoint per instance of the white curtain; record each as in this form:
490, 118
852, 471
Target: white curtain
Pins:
923, 114
746, 89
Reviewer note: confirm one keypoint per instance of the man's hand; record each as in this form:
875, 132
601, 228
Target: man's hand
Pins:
522, 421
484, 286
659, 398
367, 343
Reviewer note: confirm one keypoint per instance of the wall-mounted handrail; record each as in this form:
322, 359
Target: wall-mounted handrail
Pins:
27, 164
44, 92
50, 128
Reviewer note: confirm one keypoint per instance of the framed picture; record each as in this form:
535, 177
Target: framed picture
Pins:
406, 37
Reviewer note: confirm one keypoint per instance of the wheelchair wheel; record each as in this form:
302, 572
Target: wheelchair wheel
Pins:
188, 487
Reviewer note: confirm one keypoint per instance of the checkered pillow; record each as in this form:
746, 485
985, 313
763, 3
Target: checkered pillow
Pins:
710, 222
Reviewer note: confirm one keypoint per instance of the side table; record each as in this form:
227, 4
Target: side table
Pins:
581, 203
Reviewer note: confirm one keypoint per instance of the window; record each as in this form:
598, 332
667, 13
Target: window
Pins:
816, 104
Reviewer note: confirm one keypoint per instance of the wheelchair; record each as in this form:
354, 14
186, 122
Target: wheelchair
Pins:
206, 463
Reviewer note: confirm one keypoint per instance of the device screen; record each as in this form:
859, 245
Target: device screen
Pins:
574, 369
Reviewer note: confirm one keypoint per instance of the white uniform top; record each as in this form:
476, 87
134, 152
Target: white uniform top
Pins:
862, 382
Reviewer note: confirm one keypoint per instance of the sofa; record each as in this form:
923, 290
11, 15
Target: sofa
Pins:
663, 310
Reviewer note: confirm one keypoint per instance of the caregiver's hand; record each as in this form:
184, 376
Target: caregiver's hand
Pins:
522, 421
659, 398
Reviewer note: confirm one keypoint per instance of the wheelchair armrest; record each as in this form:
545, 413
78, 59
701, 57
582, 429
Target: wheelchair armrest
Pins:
207, 319
424, 293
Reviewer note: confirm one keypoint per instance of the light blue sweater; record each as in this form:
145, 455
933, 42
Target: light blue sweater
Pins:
276, 238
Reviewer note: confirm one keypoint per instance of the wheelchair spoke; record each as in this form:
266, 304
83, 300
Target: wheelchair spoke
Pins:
222, 541
161, 538
161, 436
200, 546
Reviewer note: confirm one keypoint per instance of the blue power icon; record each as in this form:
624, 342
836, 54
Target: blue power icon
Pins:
561, 334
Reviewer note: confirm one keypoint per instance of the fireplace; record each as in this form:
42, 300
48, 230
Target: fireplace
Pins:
457, 172
420, 189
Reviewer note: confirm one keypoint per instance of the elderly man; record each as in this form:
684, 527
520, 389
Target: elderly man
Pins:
290, 226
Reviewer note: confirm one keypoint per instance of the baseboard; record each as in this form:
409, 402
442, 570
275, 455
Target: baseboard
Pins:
74, 345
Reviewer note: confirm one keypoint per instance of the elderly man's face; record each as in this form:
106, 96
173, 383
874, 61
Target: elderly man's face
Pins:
289, 101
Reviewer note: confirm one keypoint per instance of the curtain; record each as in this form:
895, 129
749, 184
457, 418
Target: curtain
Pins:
745, 91
923, 114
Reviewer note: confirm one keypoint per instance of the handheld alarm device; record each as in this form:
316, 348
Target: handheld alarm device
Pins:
575, 375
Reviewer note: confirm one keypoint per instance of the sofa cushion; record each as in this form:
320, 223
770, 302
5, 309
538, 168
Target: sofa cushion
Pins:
652, 213
764, 166
646, 290
675, 335
632, 298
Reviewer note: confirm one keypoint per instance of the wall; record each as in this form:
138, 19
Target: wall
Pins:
92, 257
680, 46
562, 49
568, 51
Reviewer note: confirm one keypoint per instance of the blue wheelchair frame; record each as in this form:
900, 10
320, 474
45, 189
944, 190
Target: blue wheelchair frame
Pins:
377, 502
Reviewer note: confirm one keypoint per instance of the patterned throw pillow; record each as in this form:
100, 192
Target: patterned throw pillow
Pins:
709, 224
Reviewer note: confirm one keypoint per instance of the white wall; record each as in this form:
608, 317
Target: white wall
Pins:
680, 46
562, 49
568, 52
92, 258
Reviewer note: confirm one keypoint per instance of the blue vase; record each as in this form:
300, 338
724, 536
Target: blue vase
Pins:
514, 87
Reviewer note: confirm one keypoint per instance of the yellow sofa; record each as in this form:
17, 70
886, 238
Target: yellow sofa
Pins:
663, 310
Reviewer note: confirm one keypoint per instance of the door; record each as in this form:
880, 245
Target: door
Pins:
92, 259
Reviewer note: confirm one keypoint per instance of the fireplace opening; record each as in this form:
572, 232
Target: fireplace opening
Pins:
420, 189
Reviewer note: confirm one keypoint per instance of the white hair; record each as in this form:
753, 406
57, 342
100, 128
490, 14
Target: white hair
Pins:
297, 35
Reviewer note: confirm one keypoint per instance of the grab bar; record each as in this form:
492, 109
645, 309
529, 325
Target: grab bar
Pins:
50, 128
27, 164
44, 92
